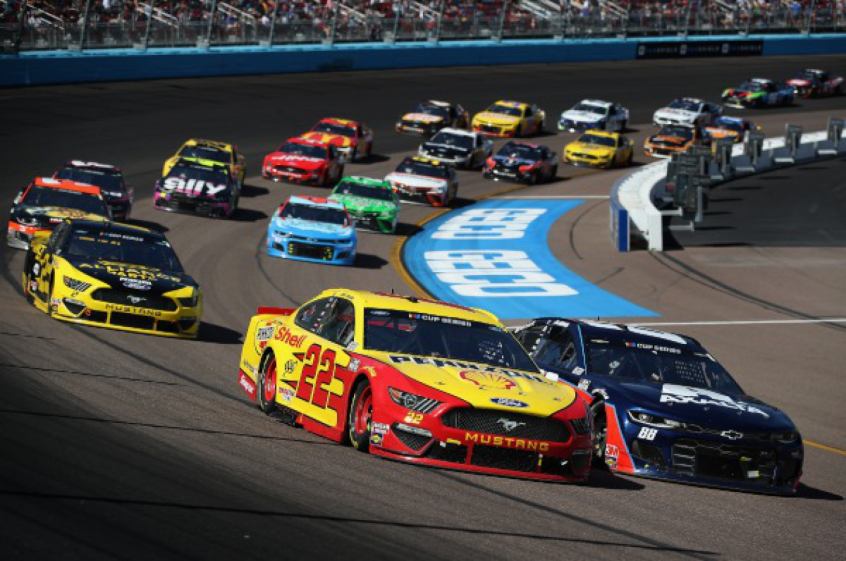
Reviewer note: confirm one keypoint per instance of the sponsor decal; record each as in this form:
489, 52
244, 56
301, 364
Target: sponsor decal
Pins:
135, 299
194, 187
264, 333
376, 439
647, 433
731, 434
482, 369
612, 454
132, 310
672, 393
247, 367
354, 363
488, 379
509, 424
136, 284
248, 385
650, 347
285, 393
380, 428
507, 402
285, 335
413, 418
584, 384
290, 366
506, 442
683, 49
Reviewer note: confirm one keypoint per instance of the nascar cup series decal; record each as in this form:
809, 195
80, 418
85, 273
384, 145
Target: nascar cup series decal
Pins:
494, 255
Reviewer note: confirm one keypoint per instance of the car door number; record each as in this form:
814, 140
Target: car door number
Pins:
317, 373
647, 433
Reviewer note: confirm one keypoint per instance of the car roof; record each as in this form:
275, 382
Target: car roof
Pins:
606, 134
728, 119
598, 328
423, 160
509, 103
66, 185
191, 161
520, 143
309, 200
369, 181
459, 132
339, 121
92, 165
438, 103
307, 141
114, 226
761, 80
225, 146
597, 102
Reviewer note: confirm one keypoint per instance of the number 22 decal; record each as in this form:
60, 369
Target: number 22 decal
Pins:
318, 371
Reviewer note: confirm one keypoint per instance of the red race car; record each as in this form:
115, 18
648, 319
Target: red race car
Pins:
812, 82
300, 160
418, 381
352, 139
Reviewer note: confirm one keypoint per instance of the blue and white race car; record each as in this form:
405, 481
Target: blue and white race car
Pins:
312, 229
594, 114
663, 407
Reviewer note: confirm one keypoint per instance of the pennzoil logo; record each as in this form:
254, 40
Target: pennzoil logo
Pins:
506, 442
490, 380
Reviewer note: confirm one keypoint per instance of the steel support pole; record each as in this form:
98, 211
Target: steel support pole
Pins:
272, 24
149, 24
211, 23
84, 24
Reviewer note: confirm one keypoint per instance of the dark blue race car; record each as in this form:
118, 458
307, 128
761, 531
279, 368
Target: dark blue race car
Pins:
665, 408
522, 161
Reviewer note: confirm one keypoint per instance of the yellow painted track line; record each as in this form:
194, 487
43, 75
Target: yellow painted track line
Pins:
825, 447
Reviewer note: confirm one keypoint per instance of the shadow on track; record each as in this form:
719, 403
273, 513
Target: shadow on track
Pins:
368, 261
248, 215
806, 492
213, 333
250, 191
372, 159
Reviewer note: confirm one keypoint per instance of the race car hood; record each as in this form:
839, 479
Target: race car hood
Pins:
422, 118
485, 387
509, 161
356, 205
742, 94
448, 151
676, 114
706, 408
312, 229
592, 149
497, 118
717, 132
581, 116
190, 187
336, 140
295, 160
51, 215
411, 180
145, 280
668, 140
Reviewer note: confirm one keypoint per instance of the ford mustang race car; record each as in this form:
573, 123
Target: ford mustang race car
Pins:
727, 127
594, 114
417, 381
812, 82
421, 178
210, 152
195, 187
596, 148
431, 116
663, 407
671, 139
352, 139
372, 203
312, 229
521, 161
108, 178
301, 160
758, 92
46, 202
112, 275
687, 111
509, 119
458, 147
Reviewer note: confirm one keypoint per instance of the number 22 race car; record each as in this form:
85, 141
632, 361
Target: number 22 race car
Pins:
415, 380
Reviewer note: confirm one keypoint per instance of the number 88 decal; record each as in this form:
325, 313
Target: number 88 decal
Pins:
647, 434
318, 371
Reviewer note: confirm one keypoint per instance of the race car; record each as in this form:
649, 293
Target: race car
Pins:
300, 160
594, 114
812, 82
663, 407
687, 111
510, 118
417, 381
458, 147
112, 275
431, 116
727, 127
198, 187
108, 178
210, 152
598, 148
759, 92
671, 139
312, 229
371, 203
351, 138
418, 178
522, 161
45, 202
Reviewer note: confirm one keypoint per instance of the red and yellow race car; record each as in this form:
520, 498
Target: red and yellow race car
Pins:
416, 380
351, 138
300, 160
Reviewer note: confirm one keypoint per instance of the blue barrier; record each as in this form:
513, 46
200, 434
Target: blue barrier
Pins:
55, 67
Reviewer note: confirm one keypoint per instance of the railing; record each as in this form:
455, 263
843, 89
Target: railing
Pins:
328, 21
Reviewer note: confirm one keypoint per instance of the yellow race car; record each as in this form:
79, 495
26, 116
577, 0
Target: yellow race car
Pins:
597, 148
112, 275
417, 381
210, 152
507, 119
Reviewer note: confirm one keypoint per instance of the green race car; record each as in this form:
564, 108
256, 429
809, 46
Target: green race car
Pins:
371, 202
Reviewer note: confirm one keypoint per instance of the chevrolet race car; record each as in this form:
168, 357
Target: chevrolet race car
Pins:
301, 160
521, 161
431, 116
112, 275
727, 127
210, 152
687, 111
312, 229
671, 139
596, 148
594, 114
418, 381
758, 92
108, 178
45, 202
663, 407
509, 119
195, 187
421, 178
458, 147
812, 82
352, 139
371, 202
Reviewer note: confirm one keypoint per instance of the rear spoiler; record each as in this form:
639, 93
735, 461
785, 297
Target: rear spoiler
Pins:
270, 310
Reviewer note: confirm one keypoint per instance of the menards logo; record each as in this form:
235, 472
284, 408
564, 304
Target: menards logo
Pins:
506, 442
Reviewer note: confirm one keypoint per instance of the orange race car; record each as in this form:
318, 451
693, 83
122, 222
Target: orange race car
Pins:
671, 139
352, 139
727, 127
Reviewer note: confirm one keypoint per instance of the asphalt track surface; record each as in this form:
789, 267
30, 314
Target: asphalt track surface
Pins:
118, 446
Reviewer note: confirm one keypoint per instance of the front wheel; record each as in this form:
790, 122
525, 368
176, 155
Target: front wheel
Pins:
600, 432
360, 416
624, 124
266, 391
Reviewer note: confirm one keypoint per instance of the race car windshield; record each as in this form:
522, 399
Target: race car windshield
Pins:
93, 244
443, 337
505, 110
360, 190
109, 182
656, 363
334, 129
435, 110
682, 132
44, 197
685, 104
304, 150
414, 167
206, 153
453, 140
751, 86
589, 108
596, 139
731, 125
314, 214
520, 151
213, 175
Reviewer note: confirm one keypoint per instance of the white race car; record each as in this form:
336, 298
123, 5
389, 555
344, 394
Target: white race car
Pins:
594, 114
425, 180
458, 147
687, 111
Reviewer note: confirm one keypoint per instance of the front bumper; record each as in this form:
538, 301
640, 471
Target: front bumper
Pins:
577, 126
587, 160
315, 251
436, 196
420, 129
663, 152
497, 131
291, 175
186, 205
500, 174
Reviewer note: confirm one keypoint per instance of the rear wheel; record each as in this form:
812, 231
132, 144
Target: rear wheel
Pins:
360, 415
266, 390
600, 431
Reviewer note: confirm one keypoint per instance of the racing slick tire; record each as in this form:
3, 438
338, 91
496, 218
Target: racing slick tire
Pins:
450, 196
532, 179
553, 174
360, 415
266, 385
629, 160
600, 429
624, 125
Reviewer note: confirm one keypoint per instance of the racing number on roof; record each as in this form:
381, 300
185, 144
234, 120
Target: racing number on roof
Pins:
317, 373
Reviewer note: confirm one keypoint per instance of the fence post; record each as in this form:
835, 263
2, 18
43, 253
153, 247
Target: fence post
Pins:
440, 19
396, 25
272, 24
84, 24
331, 38
21, 21
810, 18
149, 25
501, 25
211, 23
